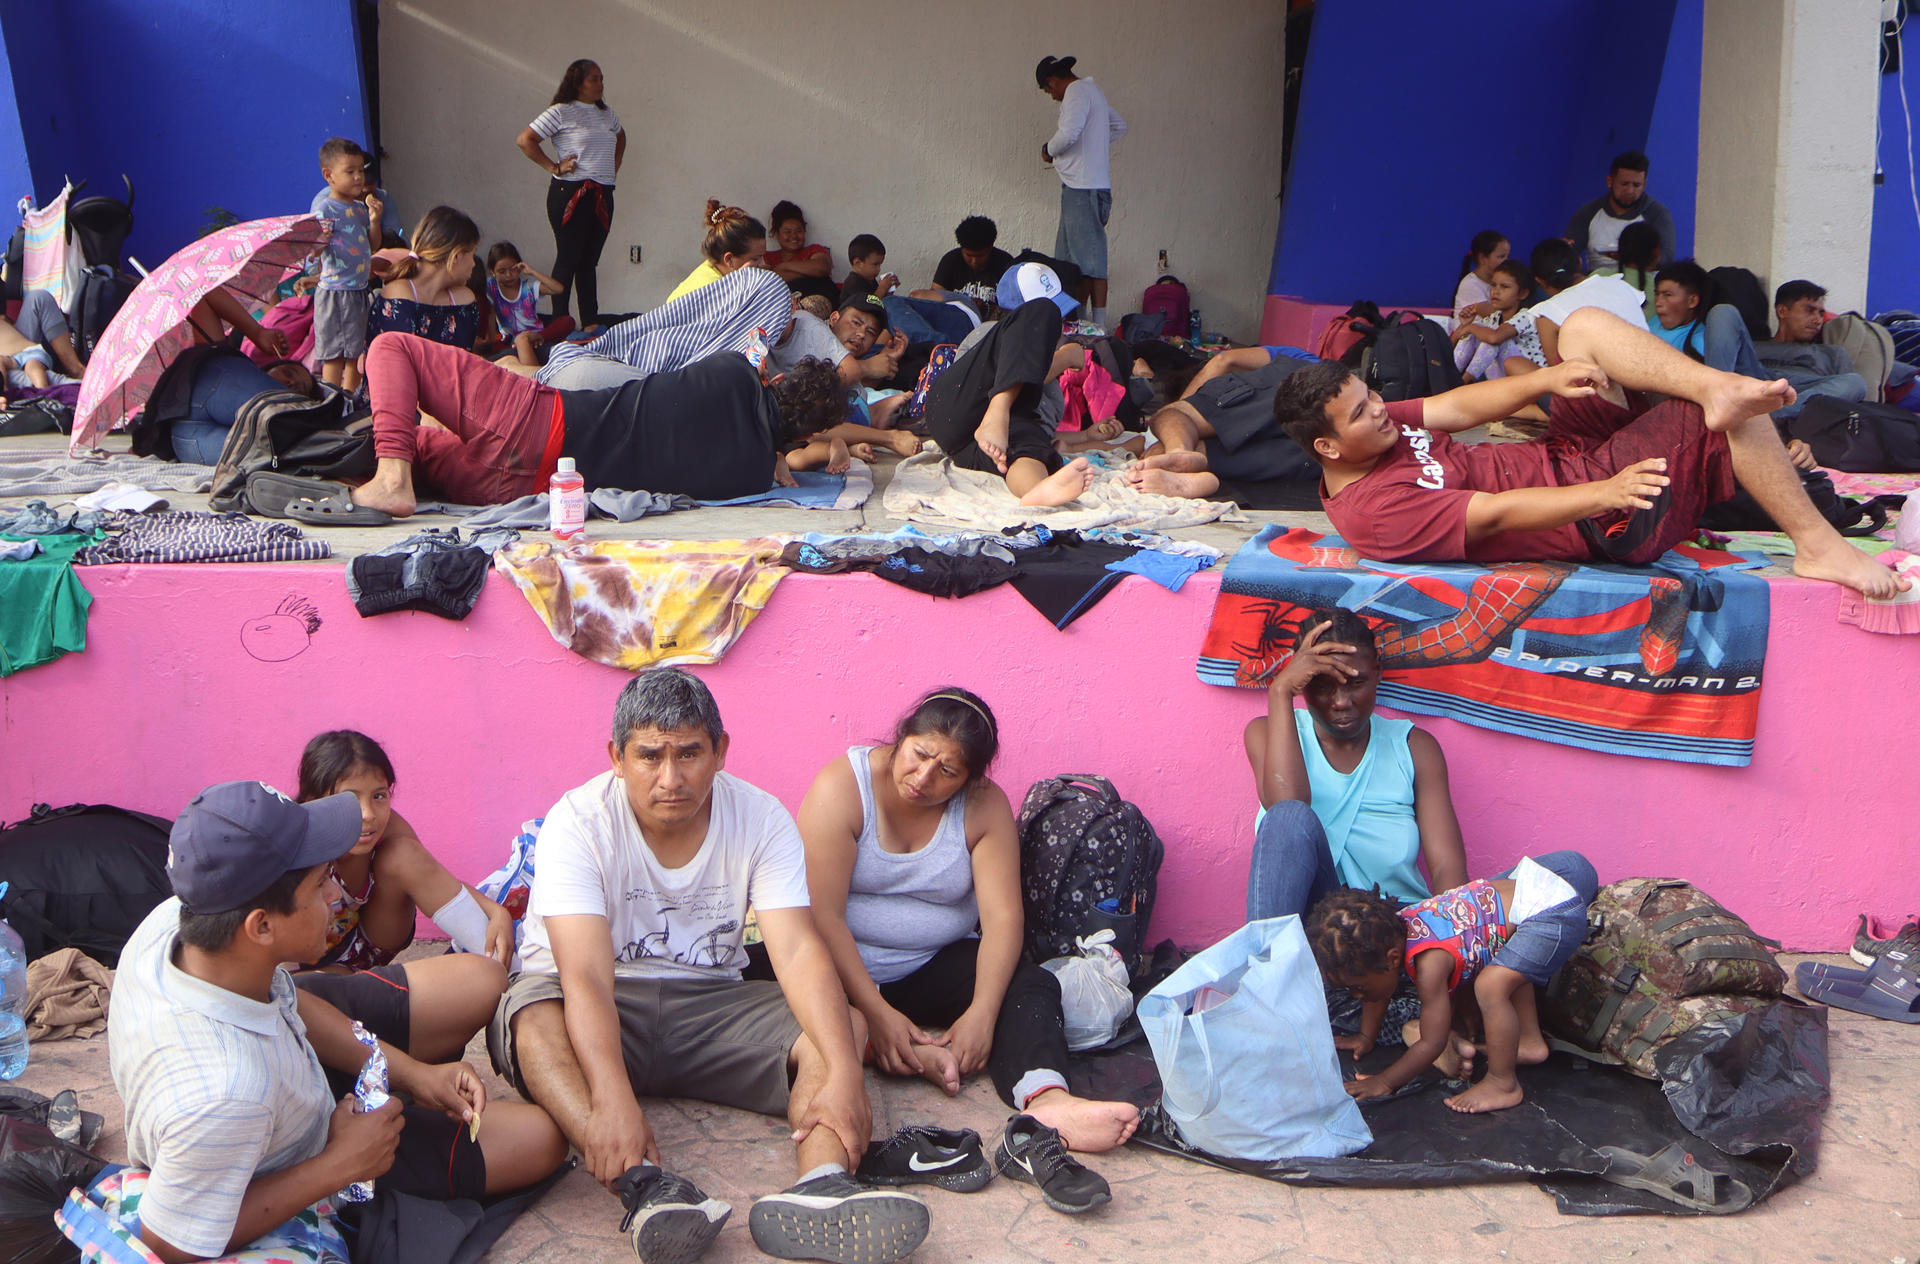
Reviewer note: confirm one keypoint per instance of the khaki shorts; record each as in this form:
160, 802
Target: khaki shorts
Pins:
717, 1040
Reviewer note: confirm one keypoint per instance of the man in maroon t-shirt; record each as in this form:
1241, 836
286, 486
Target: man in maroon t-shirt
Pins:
1615, 479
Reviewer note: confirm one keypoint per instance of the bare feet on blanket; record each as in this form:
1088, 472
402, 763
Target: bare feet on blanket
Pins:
1487, 1096
1064, 485
1735, 398
1086, 1126
390, 490
1178, 462
1850, 568
939, 1067
905, 442
1168, 483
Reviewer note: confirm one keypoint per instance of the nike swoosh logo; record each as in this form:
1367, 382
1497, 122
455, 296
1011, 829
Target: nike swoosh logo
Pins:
913, 1161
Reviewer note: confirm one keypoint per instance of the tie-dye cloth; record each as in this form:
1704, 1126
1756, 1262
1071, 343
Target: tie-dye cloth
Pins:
104, 1224
646, 603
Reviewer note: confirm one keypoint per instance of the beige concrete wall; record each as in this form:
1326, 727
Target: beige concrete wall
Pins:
896, 119
1788, 92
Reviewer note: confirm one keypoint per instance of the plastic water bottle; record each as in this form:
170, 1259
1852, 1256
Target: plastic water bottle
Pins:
1195, 331
567, 501
13, 1001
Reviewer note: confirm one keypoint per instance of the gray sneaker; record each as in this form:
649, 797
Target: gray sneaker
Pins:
1869, 943
669, 1219
836, 1218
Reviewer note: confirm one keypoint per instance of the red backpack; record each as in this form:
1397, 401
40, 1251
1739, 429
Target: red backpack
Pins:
1168, 299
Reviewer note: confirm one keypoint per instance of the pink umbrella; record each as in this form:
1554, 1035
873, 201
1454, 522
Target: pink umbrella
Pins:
151, 330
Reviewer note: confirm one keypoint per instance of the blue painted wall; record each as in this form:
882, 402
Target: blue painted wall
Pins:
1422, 123
201, 102
16, 179
1893, 267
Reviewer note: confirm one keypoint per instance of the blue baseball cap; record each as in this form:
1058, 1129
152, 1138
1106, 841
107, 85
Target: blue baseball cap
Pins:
237, 838
1030, 281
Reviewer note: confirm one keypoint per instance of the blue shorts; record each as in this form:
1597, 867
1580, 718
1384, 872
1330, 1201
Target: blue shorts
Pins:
33, 353
1543, 943
1082, 238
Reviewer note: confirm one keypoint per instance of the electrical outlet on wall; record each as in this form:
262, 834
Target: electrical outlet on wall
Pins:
633, 254
1163, 261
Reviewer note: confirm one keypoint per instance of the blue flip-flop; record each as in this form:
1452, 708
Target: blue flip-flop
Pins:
1888, 989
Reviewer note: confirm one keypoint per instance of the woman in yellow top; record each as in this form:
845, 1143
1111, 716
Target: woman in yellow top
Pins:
735, 240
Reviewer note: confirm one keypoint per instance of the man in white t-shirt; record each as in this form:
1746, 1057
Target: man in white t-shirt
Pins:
1078, 153
1556, 265
631, 986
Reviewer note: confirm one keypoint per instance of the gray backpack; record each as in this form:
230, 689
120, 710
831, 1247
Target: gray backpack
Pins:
1868, 345
290, 434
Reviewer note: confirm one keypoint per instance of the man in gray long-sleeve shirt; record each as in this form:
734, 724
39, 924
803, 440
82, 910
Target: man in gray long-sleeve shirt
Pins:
1595, 228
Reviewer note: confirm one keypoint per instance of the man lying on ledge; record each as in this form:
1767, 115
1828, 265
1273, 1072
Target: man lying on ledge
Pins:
1613, 480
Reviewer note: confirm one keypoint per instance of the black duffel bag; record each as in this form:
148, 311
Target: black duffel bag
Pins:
82, 877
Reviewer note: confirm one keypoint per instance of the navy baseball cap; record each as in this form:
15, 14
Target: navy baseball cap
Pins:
237, 838
866, 305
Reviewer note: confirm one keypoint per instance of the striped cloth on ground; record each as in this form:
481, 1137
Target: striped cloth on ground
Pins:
191, 536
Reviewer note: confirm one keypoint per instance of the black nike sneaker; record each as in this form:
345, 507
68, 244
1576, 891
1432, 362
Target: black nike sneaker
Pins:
920, 1154
836, 1218
669, 1219
1032, 1152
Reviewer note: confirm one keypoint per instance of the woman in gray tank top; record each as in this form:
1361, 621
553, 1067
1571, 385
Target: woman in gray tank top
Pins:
913, 862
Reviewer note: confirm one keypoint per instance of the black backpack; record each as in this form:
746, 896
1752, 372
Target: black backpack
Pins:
1408, 359
1081, 844
289, 434
82, 877
1862, 438
1743, 289
1849, 517
103, 292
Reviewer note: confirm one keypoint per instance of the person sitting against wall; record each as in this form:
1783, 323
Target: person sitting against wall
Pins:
913, 865
1595, 227
1501, 329
806, 266
734, 240
513, 290
1613, 480
42, 323
1636, 261
710, 430
973, 268
1796, 353
1347, 798
426, 292
1487, 251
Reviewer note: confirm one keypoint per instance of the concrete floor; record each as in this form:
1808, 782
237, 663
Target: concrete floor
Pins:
1858, 1208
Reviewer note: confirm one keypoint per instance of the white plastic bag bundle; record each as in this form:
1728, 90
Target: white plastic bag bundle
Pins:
1094, 996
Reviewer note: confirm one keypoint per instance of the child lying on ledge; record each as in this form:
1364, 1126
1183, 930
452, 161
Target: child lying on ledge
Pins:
1490, 943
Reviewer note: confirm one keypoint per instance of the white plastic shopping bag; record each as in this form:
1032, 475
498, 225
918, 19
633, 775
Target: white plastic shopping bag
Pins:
1094, 996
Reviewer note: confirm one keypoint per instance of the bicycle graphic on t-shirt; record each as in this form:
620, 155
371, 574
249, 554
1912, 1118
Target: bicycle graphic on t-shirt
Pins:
710, 951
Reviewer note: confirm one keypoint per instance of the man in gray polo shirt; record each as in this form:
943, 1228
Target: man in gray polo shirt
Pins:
219, 1058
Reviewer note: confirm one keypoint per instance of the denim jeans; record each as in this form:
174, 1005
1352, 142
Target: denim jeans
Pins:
1292, 864
926, 322
1729, 348
1543, 943
221, 389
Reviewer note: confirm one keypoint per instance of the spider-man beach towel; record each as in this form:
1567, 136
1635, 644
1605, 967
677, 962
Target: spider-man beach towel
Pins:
1661, 661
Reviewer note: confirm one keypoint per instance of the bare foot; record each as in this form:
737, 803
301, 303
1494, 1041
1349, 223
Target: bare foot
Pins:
939, 1067
1183, 462
1064, 485
388, 499
1086, 1126
1736, 398
1847, 566
1108, 429
1163, 482
862, 450
905, 442
990, 436
1487, 1096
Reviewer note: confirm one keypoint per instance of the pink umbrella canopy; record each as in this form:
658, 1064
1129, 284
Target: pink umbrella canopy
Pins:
151, 330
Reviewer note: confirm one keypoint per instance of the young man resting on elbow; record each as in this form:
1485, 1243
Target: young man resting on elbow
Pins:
1615, 479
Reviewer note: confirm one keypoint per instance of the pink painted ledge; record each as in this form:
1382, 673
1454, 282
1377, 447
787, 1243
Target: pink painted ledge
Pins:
1295, 322
190, 677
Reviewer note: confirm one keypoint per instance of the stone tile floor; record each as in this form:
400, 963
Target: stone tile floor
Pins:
1860, 1207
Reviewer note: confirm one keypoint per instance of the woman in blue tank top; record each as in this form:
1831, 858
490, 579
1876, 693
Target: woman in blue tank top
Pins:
1347, 798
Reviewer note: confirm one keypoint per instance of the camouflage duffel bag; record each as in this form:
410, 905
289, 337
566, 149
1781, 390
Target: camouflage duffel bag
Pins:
1661, 957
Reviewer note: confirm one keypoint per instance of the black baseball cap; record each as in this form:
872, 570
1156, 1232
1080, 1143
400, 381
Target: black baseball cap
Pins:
237, 838
869, 304
1051, 66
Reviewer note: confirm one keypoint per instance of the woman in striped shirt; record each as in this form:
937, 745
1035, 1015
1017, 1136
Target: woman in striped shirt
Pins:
591, 144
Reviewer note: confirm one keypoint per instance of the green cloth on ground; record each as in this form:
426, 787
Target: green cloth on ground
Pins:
43, 605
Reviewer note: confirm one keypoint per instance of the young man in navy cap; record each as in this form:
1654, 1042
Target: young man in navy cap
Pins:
220, 1059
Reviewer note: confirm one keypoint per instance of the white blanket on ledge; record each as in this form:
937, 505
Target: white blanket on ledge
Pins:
930, 488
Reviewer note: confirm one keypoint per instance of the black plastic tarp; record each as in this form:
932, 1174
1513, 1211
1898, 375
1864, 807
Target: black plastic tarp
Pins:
1745, 1098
